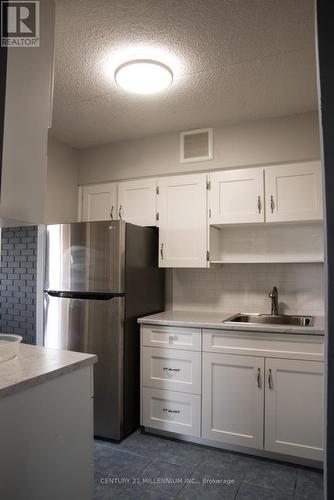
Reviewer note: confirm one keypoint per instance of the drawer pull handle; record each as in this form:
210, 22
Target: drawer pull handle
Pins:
167, 410
272, 204
259, 378
171, 369
270, 380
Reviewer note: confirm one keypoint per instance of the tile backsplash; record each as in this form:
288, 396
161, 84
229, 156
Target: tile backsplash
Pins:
245, 287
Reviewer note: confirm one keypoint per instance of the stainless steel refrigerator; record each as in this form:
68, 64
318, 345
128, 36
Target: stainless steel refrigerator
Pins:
99, 278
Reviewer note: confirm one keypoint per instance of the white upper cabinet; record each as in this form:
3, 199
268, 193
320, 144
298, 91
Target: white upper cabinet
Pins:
137, 201
182, 209
237, 196
282, 193
294, 407
294, 192
99, 202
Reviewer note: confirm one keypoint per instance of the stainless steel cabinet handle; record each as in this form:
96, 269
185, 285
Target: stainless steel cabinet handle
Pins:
272, 204
112, 213
259, 204
162, 250
270, 379
167, 410
120, 212
171, 369
259, 378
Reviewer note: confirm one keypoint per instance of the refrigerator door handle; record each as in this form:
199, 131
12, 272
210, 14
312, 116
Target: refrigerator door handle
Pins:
83, 295
53, 293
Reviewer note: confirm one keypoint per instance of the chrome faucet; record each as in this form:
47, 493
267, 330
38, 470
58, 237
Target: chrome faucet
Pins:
273, 295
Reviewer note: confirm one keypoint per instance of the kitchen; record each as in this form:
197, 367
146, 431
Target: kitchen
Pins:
226, 379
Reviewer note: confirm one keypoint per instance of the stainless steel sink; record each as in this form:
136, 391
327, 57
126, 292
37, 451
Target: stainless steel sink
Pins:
269, 319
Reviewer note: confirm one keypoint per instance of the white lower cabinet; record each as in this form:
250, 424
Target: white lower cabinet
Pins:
294, 403
246, 398
172, 411
171, 379
169, 337
233, 399
260, 391
172, 369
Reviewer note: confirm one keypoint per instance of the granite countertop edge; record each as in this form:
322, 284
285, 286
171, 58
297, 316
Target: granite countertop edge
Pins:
22, 381
194, 319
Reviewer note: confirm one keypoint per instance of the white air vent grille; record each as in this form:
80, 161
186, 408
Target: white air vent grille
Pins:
196, 145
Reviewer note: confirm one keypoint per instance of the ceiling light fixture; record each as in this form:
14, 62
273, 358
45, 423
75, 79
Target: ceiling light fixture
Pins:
143, 76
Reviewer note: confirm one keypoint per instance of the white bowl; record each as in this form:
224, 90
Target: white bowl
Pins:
9, 345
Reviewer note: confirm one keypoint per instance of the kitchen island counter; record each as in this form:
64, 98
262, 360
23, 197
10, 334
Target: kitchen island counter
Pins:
46, 425
35, 364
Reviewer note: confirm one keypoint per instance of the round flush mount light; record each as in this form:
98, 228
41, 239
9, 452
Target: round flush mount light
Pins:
143, 76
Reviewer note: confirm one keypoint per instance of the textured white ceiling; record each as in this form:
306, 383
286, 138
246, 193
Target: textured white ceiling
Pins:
233, 60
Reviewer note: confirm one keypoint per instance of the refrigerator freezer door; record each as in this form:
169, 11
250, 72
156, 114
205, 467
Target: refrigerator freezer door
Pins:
85, 257
96, 327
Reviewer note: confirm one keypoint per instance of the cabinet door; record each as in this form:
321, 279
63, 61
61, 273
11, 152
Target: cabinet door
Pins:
237, 196
137, 201
99, 202
182, 208
233, 398
294, 192
294, 407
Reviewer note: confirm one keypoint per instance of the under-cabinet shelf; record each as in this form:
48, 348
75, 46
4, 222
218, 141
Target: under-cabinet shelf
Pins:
280, 261
267, 243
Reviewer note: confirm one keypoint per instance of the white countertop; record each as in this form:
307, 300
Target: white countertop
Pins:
215, 320
35, 364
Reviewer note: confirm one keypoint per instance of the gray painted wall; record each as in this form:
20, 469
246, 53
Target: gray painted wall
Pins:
275, 140
62, 183
27, 117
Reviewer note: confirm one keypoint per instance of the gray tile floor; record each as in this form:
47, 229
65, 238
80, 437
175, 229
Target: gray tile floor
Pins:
151, 468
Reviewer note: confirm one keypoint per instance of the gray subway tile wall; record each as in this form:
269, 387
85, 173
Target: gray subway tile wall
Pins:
245, 287
18, 282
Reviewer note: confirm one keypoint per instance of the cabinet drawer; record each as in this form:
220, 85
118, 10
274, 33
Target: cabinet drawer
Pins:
172, 411
172, 337
264, 344
175, 370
